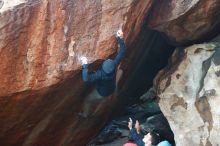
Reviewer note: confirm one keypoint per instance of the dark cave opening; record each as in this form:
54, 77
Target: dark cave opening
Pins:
152, 52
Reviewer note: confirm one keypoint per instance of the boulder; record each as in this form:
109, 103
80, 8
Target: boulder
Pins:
186, 21
189, 94
41, 90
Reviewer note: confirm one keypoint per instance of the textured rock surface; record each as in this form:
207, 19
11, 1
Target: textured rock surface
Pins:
189, 94
41, 89
184, 21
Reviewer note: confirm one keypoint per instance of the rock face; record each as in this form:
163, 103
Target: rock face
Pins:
189, 94
184, 21
41, 89
188, 87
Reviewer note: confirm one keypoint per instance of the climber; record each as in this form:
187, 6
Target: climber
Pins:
149, 139
105, 77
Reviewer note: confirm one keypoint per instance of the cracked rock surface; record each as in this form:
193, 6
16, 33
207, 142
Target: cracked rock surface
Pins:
189, 94
186, 21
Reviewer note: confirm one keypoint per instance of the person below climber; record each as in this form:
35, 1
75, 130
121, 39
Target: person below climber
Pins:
105, 76
149, 139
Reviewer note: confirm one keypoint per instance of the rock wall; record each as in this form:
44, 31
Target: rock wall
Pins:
189, 95
188, 86
41, 88
186, 21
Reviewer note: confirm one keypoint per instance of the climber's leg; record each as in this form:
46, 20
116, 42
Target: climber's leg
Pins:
91, 102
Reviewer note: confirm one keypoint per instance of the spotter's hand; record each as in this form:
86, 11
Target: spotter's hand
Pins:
130, 123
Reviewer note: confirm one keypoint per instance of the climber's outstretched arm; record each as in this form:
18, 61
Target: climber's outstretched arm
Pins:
122, 47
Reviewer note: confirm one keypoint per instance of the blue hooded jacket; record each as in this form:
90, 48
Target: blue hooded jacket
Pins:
105, 76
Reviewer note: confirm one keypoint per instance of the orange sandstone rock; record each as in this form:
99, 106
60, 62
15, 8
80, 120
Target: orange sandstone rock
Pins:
41, 89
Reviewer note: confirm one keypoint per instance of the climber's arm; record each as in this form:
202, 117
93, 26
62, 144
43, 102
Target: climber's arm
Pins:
90, 77
122, 47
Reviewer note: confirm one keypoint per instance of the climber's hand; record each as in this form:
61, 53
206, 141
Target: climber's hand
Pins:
130, 123
119, 34
83, 60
